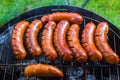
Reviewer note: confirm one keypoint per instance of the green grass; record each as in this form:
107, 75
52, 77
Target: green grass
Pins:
109, 9
12, 8
76, 2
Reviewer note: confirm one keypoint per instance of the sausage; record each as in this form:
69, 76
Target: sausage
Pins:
16, 39
31, 38
88, 42
74, 43
47, 44
102, 44
58, 16
60, 40
42, 70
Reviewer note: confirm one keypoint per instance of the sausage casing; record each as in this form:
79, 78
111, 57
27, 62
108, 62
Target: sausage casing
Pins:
88, 42
58, 16
60, 40
16, 39
43, 70
74, 43
31, 38
47, 44
102, 44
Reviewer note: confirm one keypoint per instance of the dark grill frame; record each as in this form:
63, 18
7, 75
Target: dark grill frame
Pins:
14, 69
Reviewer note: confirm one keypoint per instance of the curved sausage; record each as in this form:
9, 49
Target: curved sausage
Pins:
74, 43
58, 16
31, 38
47, 44
102, 44
60, 40
88, 42
16, 39
43, 70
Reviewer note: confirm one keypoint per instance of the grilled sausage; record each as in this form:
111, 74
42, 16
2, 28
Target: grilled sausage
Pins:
16, 39
60, 40
102, 44
47, 44
88, 42
31, 38
74, 43
58, 16
43, 70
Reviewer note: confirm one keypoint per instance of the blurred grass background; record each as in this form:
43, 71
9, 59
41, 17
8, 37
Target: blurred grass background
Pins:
109, 9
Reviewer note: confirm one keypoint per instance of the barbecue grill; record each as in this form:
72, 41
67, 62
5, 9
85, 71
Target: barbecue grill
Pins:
12, 69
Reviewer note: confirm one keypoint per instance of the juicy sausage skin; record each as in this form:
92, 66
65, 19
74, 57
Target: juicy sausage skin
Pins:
16, 40
60, 40
31, 38
43, 70
88, 42
74, 43
47, 44
58, 16
102, 44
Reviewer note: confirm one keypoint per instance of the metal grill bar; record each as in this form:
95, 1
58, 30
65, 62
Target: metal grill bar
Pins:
20, 72
67, 2
4, 77
12, 77
118, 73
85, 2
101, 73
114, 33
114, 43
109, 73
1, 52
93, 71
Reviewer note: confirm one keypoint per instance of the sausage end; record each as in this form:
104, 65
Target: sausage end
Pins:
112, 59
67, 57
96, 57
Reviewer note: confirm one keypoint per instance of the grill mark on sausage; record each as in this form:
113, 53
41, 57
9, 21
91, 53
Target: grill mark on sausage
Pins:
102, 44
47, 41
31, 38
58, 16
60, 43
16, 39
88, 42
74, 44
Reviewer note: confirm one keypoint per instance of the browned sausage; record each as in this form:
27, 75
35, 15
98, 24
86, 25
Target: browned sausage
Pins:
16, 39
58, 16
102, 44
43, 70
88, 42
47, 44
74, 43
31, 38
60, 40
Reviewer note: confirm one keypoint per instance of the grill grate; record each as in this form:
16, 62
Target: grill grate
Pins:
11, 69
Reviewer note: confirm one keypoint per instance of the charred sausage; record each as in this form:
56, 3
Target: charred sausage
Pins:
74, 43
58, 16
43, 70
16, 39
31, 38
88, 42
60, 40
47, 44
102, 44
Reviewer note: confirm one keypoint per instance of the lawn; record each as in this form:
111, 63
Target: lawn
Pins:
109, 9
